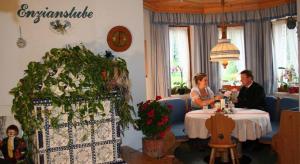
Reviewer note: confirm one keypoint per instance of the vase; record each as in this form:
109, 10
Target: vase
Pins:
153, 147
157, 148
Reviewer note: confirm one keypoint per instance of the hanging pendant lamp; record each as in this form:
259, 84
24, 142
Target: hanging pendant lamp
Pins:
224, 51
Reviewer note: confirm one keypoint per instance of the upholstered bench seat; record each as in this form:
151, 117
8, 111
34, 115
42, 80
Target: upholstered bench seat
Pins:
177, 116
275, 106
178, 130
267, 139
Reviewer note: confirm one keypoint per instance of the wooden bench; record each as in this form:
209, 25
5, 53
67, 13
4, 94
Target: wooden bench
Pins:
287, 141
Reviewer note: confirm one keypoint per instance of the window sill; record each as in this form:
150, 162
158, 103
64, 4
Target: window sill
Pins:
286, 95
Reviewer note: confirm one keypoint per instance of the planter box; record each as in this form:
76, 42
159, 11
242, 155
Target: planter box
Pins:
98, 141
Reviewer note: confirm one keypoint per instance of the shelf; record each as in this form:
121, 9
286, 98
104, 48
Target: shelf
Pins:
286, 95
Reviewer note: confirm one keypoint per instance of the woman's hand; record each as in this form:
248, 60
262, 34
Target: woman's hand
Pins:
218, 97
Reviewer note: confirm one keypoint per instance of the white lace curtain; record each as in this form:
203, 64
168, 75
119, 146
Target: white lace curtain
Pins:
285, 47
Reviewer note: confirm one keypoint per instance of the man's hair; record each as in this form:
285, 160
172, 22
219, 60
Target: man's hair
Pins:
12, 127
199, 77
248, 73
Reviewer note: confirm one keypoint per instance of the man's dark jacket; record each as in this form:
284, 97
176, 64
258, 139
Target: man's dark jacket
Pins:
252, 97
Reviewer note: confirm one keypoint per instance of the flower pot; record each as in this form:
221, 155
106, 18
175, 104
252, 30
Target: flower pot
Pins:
181, 91
154, 147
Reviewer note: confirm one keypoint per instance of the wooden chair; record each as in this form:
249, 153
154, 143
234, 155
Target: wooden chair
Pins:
286, 142
220, 127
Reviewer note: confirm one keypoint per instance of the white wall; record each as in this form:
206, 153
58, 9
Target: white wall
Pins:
91, 32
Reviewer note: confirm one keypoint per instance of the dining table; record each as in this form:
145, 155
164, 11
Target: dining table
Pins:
250, 124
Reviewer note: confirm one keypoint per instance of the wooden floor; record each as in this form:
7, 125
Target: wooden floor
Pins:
132, 156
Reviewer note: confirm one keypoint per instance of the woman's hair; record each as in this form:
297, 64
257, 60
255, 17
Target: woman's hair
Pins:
199, 77
12, 127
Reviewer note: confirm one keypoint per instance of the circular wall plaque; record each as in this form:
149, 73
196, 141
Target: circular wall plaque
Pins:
119, 38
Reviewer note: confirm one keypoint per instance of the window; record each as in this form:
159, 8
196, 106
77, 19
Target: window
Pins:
231, 75
179, 55
285, 52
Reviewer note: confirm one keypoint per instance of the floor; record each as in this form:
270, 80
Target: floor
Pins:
197, 152
192, 152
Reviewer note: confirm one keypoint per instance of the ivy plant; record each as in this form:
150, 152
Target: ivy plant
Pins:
66, 75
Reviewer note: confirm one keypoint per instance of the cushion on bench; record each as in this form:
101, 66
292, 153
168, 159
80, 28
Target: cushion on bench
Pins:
178, 131
271, 107
178, 110
288, 103
177, 116
284, 104
268, 137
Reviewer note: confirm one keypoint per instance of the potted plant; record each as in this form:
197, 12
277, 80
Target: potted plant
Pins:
154, 123
66, 75
180, 88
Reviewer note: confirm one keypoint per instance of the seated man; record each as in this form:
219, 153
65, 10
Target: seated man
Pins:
252, 94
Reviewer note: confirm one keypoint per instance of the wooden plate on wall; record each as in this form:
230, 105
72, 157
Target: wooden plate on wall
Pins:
119, 38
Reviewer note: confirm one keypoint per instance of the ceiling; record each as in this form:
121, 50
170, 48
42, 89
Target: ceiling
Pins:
209, 6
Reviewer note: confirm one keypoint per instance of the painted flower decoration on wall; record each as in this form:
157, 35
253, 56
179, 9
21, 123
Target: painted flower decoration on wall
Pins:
60, 27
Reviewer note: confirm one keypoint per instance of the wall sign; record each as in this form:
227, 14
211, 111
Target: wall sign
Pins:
36, 15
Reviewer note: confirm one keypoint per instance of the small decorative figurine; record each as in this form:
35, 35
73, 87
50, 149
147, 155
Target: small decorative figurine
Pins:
12, 147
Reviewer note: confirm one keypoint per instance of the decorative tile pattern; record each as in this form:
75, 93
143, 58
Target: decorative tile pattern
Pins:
60, 157
103, 131
97, 141
58, 137
82, 134
83, 155
104, 153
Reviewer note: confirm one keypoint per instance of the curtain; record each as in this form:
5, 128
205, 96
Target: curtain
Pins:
285, 46
205, 38
230, 17
259, 56
159, 76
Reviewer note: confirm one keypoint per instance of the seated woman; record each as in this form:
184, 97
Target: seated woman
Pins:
201, 95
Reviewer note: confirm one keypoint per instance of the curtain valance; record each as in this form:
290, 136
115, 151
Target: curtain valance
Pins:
232, 17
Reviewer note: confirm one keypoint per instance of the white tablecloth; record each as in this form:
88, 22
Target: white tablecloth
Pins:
250, 124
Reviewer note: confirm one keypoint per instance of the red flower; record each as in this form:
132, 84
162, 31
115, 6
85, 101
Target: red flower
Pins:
151, 113
162, 134
160, 123
153, 118
170, 106
145, 105
157, 97
219, 110
168, 128
149, 121
165, 119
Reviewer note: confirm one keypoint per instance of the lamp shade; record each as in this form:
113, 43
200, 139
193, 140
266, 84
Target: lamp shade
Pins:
224, 51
